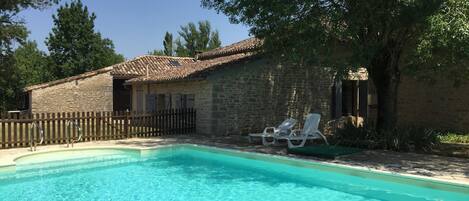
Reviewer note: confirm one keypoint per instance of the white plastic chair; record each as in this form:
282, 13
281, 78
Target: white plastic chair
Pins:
310, 131
281, 131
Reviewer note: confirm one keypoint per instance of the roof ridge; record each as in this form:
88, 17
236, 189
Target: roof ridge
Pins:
191, 70
68, 79
161, 56
246, 45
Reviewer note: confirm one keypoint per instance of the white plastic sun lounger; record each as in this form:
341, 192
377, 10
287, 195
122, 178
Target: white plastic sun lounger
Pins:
310, 131
282, 131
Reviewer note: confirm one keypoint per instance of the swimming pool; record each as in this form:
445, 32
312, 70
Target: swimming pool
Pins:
189, 172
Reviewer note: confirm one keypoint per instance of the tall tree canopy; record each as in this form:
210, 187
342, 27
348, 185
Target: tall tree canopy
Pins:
425, 37
12, 30
193, 39
34, 66
74, 45
168, 44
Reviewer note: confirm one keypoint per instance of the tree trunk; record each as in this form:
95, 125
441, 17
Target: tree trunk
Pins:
384, 72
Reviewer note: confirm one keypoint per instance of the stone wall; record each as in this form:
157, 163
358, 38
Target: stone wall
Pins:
440, 105
203, 98
251, 95
88, 94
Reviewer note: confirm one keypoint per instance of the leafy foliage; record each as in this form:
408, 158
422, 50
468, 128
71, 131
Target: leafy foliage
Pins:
74, 45
190, 36
398, 139
423, 28
11, 27
168, 44
454, 138
444, 47
426, 37
193, 39
12, 30
34, 66
9, 77
214, 41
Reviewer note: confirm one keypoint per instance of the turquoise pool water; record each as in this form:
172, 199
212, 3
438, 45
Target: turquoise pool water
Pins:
197, 173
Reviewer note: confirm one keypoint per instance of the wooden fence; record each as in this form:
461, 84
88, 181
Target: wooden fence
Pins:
17, 130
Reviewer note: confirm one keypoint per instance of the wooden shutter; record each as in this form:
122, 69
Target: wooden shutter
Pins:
151, 103
337, 102
178, 102
167, 100
190, 101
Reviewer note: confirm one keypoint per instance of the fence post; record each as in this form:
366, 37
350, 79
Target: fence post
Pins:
194, 123
98, 126
126, 125
3, 129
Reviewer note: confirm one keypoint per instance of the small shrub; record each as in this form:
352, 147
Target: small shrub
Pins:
399, 139
361, 137
424, 139
454, 138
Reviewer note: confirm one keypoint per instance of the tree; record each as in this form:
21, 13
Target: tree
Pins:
12, 30
385, 36
168, 44
33, 65
214, 41
193, 39
187, 46
74, 45
181, 50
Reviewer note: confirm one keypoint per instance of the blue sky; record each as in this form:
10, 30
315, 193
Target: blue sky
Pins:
138, 26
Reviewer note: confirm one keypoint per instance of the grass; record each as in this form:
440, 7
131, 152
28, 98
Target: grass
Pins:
454, 138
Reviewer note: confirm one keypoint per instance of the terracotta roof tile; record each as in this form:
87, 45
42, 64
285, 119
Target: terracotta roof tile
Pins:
192, 70
127, 69
206, 62
247, 45
154, 64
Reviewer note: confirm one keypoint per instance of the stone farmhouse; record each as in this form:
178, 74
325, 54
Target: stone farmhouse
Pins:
236, 89
98, 90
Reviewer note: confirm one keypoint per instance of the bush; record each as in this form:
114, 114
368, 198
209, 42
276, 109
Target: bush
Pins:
454, 138
399, 139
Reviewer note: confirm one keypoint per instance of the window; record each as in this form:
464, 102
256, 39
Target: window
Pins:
160, 102
190, 101
173, 101
178, 101
350, 97
186, 101
168, 101
151, 103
